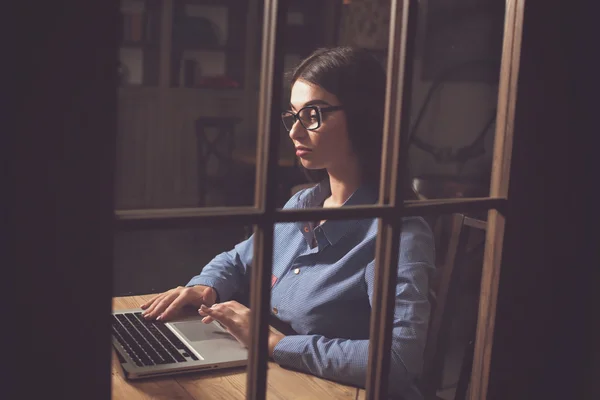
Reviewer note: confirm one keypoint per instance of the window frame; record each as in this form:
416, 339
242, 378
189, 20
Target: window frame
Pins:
264, 214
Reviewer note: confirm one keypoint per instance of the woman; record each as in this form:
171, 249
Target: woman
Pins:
323, 272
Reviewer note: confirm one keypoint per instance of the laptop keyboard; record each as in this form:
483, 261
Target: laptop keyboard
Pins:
148, 342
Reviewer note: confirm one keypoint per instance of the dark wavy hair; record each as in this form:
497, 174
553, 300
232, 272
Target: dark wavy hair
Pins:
358, 80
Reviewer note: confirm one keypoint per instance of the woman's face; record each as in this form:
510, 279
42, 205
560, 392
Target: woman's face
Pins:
328, 146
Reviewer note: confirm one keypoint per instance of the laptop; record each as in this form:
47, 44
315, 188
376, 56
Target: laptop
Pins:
153, 348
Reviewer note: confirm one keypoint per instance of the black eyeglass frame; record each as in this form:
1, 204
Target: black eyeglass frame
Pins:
320, 110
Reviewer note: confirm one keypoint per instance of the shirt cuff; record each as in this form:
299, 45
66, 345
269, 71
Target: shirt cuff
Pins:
289, 350
223, 292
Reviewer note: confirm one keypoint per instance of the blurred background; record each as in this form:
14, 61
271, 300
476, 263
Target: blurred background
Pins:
188, 102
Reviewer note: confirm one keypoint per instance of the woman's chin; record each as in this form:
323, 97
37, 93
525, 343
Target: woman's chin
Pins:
309, 164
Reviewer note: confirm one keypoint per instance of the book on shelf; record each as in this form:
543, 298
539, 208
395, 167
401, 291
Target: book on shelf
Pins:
137, 27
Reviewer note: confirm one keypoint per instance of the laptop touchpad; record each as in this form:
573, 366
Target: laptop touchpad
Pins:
196, 331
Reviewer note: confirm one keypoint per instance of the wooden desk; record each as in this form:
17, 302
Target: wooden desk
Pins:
282, 384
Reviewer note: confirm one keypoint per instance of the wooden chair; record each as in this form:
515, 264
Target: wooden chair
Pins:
444, 310
428, 187
215, 162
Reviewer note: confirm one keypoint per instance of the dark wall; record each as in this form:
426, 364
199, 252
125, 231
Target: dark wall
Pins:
63, 124
541, 348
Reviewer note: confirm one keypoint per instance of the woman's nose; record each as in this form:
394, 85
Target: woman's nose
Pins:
297, 131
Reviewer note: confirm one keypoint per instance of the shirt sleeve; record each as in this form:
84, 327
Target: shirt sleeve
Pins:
345, 360
228, 272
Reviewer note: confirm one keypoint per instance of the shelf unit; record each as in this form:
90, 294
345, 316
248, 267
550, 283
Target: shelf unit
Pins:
139, 42
208, 40
204, 43
183, 43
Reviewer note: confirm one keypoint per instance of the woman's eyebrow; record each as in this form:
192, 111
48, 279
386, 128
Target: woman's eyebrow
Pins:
312, 103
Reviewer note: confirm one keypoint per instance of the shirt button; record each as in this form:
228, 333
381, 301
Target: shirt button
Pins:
297, 271
275, 311
306, 229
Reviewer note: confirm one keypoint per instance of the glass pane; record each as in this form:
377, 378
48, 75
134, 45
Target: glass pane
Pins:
309, 25
184, 121
153, 261
460, 246
455, 89
446, 326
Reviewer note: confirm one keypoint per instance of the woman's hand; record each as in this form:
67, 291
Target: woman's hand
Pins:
166, 305
235, 317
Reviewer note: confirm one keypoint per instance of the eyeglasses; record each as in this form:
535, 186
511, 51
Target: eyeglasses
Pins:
310, 117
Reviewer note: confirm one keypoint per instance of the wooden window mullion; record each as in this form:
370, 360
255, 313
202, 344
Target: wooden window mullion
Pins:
395, 154
270, 99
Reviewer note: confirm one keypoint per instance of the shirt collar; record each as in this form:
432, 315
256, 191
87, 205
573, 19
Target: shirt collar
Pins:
334, 230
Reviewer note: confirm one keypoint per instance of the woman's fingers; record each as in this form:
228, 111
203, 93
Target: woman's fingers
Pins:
234, 305
237, 308
181, 300
235, 321
219, 312
151, 305
150, 302
216, 312
160, 305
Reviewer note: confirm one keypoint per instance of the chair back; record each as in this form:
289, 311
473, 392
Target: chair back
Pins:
215, 138
444, 309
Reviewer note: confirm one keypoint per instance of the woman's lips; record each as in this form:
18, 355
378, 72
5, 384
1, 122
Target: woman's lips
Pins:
302, 151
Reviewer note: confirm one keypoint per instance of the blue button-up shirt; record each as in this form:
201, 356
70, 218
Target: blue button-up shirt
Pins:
322, 286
